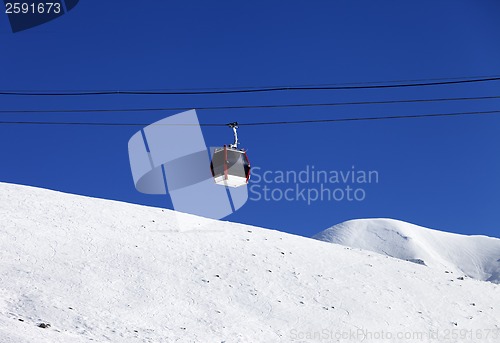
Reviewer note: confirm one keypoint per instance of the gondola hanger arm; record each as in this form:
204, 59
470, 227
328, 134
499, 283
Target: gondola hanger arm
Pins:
234, 126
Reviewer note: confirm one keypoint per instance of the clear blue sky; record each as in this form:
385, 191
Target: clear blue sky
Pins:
441, 173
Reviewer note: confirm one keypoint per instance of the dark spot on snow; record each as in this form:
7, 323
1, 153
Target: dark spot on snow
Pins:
217, 275
460, 278
447, 272
455, 323
136, 331
282, 253
301, 302
153, 221
417, 261
21, 320
473, 304
70, 308
182, 328
253, 254
249, 231
44, 325
269, 270
248, 239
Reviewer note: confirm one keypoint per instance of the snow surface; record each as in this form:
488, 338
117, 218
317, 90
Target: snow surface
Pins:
475, 256
104, 271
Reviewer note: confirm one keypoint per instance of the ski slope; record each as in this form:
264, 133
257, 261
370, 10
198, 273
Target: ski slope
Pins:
475, 256
104, 271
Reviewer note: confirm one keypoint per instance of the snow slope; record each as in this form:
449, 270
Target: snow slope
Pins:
475, 256
105, 271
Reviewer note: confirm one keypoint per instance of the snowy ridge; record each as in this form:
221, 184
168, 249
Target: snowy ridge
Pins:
105, 271
475, 256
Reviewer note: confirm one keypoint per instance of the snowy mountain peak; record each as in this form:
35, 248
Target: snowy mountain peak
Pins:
474, 256
78, 269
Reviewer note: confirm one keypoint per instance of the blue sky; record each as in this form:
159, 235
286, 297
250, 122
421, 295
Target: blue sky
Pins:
440, 173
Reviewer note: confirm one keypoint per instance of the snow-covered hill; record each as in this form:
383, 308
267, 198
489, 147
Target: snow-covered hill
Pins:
475, 256
105, 271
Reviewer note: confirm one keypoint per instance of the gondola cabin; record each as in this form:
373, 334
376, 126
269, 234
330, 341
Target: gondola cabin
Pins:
230, 166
